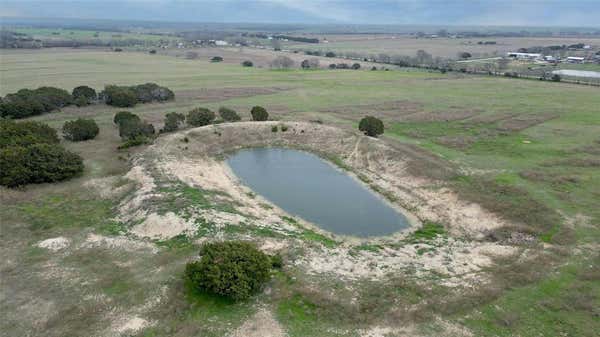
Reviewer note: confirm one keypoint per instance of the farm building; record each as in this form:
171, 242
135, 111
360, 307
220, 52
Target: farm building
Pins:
524, 56
575, 59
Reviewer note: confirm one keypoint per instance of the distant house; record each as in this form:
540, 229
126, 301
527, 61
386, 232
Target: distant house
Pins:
524, 56
575, 59
221, 43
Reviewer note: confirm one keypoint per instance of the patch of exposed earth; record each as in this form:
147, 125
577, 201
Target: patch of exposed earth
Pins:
459, 259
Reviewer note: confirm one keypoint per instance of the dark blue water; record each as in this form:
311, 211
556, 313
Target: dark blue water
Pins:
304, 185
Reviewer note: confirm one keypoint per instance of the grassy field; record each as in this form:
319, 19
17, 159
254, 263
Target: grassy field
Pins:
518, 144
79, 35
442, 47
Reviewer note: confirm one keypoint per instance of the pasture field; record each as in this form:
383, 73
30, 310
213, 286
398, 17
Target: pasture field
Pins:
85, 35
442, 47
528, 151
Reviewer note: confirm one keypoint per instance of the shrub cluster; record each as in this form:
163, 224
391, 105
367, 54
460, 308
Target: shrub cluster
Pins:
259, 113
132, 128
200, 117
128, 96
84, 95
172, 121
30, 153
247, 63
232, 269
80, 129
371, 126
229, 115
26, 102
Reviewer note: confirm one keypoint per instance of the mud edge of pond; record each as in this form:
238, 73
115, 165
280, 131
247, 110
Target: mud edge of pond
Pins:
196, 157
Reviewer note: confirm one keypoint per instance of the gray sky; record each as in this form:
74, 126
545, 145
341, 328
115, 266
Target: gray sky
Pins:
435, 12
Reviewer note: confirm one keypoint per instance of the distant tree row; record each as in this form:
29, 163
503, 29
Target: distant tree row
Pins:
26, 102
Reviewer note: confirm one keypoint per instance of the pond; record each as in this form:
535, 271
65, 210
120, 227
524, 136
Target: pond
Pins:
305, 185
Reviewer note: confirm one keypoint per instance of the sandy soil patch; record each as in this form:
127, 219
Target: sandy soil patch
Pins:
118, 242
163, 227
54, 244
262, 324
131, 325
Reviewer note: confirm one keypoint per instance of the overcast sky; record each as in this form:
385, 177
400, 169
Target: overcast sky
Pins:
435, 12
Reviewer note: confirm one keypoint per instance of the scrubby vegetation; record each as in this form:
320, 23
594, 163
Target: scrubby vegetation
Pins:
27, 103
84, 92
80, 129
132, 129
259, 113
200, 117
124, 115
247, 63
371, 126
30, 153
229, 115
128, 96
232, 269
173, 121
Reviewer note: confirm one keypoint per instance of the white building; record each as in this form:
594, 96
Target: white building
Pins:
221, 43
524, 56
575, 59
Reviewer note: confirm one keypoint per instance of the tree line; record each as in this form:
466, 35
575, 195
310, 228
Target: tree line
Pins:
27, 102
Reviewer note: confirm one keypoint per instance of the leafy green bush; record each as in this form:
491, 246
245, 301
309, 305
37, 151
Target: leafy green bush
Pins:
80, 129
82, 101
37, 163
247, 63
124, 115
232, 269
200, 117
371, 126
26, 102
259, 113
229, 115
172, 121
274, 128
25, 133
119, 96
135, 128
151, 92
85, 92
216, 59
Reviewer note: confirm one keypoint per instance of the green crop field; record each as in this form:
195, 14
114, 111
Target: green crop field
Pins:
542, 138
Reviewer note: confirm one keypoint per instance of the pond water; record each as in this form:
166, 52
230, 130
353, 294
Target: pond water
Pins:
304, 185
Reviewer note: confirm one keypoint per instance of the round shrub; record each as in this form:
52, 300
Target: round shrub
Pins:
80, 129
259, 113
200, 117
247, 63
371, 126
229, 115
119, 96
172, 121
82, 101
134, 128
216, 59
232, 269
124, 115
38, 163
85, 92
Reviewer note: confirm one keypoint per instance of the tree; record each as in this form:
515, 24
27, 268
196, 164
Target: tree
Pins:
247, 63
123, 115
371, 126
216, 59
231, 269
37, 163
282, 62
119, 96
172, 121
556, 78
25, 133
131, 129
356, 66
464, 55
330, 54
85, 92
229, 115
80, 129
200, 117
304, 64
259, 113
332, 66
